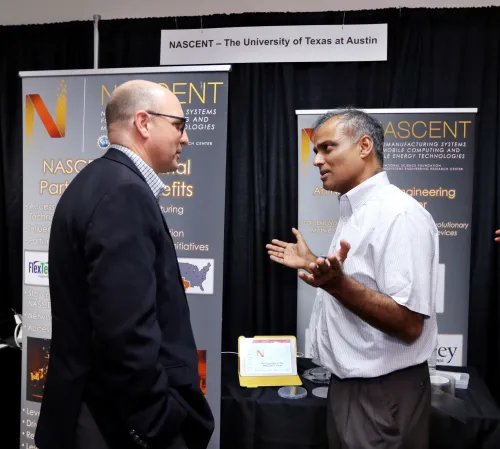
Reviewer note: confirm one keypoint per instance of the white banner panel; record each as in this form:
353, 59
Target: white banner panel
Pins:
275, 44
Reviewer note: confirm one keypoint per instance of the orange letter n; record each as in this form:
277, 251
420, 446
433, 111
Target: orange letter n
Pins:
55, 129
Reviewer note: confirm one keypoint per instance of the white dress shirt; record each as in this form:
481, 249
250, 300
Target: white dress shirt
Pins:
394, 251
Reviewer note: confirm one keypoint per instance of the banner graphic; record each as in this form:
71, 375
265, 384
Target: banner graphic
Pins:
64, 130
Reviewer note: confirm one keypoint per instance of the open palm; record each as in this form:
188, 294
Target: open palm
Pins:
293, 255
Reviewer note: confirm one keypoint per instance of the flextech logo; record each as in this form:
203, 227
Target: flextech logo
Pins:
39, 268
55, 128
36, 268
306, 142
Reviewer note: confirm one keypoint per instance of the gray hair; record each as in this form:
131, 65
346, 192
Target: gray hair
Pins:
359, 124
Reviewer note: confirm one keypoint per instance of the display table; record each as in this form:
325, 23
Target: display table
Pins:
260, 419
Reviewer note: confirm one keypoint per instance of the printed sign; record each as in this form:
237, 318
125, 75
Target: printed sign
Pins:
274, 44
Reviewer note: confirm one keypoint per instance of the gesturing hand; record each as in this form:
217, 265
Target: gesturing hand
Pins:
293, 255
327, 272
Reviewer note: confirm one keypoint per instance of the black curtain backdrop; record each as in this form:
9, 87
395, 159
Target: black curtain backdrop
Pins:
23, 48
436, 58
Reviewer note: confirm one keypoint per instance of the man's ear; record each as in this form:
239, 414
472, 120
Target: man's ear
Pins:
142, 122
365, 146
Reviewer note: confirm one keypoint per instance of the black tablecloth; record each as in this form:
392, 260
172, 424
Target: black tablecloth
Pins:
10, 397
258, 418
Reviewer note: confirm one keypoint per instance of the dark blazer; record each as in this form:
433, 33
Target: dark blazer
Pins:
122, 340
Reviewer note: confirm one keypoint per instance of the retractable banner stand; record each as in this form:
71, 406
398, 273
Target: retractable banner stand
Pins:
429, 154
64, 130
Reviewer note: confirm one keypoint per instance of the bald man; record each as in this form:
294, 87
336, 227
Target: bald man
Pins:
123, 370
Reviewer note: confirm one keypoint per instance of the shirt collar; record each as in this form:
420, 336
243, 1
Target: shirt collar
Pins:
155, 183
360, 194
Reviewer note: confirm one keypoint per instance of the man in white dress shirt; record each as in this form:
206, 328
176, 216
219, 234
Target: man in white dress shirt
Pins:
373, 323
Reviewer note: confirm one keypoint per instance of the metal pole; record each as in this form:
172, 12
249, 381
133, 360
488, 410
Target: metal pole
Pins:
97, 17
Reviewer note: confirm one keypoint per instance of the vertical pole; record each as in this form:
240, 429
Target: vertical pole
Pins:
97, 17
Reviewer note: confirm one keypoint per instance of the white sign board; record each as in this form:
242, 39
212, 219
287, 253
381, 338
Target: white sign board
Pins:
267, 356
274, 44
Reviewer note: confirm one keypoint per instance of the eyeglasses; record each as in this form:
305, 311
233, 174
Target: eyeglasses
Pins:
182, 119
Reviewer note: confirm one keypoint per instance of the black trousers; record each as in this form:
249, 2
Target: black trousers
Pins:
386, 412
88, 435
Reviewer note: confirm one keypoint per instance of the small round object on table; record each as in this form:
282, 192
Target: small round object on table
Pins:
292, 392
320, 392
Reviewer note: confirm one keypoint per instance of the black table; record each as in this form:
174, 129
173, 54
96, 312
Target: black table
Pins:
258, 418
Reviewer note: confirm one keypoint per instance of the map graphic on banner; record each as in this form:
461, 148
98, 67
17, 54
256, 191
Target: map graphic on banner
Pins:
65, 130
429, 154
197, 275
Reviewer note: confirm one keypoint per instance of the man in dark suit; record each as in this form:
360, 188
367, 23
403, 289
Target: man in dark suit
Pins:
123, 367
